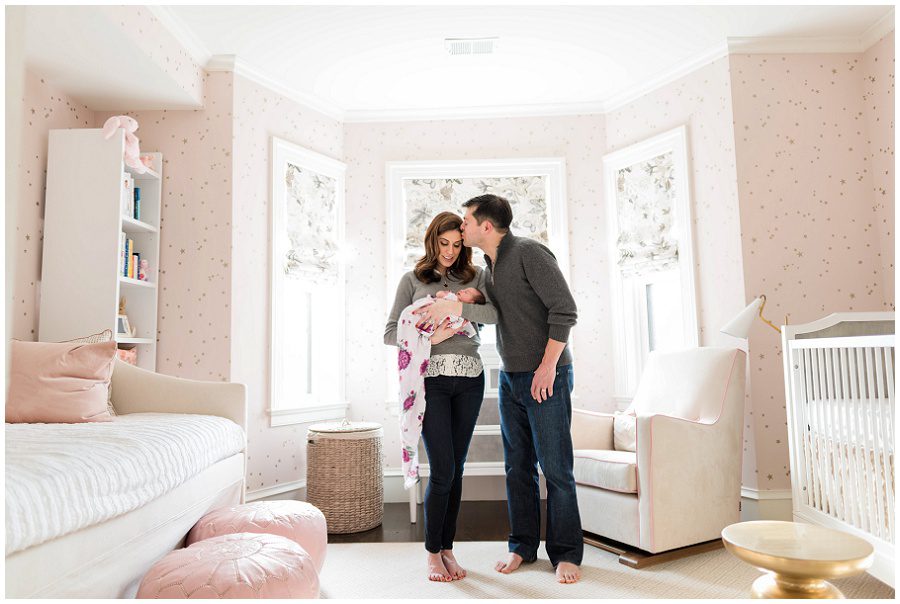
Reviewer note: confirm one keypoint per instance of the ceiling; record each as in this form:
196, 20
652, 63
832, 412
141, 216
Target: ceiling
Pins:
389, 62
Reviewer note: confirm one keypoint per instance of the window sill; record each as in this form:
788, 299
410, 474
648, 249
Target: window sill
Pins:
306, 415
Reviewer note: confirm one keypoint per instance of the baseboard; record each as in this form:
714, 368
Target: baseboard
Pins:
750, 493
288, 490
485, 487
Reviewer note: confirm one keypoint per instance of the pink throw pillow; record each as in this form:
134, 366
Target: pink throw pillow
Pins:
63, 383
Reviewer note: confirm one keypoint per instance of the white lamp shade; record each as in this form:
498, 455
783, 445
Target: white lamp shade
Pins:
739, 326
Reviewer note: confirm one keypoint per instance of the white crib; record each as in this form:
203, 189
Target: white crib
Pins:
839, 385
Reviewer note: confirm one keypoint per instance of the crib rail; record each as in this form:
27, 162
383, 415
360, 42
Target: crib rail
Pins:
841, 418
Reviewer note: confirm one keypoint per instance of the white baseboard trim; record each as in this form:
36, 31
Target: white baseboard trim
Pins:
278, 489
765, 495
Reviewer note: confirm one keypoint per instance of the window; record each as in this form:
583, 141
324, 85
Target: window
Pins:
417, 191
650, 247
307, 286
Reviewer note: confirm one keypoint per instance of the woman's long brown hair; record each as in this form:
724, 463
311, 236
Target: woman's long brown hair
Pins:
426, 268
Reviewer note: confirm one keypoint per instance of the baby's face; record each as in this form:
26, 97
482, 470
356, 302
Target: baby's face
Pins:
468, 295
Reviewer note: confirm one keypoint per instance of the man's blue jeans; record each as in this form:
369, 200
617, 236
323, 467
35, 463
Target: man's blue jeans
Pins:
536, 433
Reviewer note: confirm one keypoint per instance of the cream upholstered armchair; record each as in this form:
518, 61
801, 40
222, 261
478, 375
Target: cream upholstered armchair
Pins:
682, 484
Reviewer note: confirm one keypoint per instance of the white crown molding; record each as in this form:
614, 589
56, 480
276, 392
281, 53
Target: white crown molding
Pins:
666, 77
182, 33
463, 113
879, 29
244, 69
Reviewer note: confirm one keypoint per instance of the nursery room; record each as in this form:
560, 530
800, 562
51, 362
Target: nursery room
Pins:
422, 301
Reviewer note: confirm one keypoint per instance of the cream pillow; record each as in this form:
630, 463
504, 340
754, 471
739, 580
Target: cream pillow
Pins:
103, 336
52, 383
624, 428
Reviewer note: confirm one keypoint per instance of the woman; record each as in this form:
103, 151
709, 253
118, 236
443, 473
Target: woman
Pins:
454, 380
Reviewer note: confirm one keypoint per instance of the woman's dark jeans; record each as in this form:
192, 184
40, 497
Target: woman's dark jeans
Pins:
451, 410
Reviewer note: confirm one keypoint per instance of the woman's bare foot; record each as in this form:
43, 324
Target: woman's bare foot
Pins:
436, 569
566, 572
512, 562
456, 571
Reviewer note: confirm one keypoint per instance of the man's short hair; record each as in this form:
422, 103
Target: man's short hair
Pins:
493, 208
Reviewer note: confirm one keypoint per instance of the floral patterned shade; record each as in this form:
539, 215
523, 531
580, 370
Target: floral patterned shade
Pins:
427, 197
645, 200
311, 225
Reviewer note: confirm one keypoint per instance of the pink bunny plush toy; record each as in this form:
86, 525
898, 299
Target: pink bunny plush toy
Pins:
132, 145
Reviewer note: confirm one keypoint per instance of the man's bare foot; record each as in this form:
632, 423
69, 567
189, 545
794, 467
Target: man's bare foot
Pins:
566, 572
512, 562
456, 571
436, 569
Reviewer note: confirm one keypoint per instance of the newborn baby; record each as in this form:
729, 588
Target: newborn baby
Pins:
470, 295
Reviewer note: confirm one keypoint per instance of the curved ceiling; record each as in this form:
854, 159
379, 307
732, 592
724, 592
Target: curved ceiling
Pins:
367, 60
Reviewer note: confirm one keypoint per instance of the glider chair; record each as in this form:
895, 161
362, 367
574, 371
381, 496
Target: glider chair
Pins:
681, 485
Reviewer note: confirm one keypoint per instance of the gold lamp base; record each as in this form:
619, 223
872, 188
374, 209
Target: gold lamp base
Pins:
772, 585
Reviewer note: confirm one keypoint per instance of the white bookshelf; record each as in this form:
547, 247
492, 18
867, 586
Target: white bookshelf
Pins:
81, 275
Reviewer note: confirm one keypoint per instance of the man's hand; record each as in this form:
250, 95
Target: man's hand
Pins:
542, 384
437, 311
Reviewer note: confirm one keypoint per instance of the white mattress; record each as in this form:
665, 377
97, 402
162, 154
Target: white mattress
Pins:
64, 477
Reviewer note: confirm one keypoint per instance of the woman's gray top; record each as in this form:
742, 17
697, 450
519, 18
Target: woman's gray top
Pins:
411, 289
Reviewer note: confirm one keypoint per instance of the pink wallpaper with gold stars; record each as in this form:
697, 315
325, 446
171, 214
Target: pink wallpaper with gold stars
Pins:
195, 231
155, 41
45, 108
813, 224
277, 455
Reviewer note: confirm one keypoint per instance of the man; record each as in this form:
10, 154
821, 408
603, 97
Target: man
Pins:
536, 312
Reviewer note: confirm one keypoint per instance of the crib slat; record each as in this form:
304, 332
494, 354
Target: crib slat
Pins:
889, 447
863, 463
828, 434
834, 437
872, 437
840, 443
882, 452
814, 431
850, 484
804, 428
828, 459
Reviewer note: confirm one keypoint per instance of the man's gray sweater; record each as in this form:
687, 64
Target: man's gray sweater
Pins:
533, 301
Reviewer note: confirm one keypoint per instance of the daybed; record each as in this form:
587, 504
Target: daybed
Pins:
91, 506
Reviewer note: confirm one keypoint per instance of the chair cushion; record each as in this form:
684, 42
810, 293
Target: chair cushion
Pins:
299, 521
612, 470
624, 431
241, 565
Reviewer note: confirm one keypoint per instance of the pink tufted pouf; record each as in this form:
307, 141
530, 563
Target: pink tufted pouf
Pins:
242, 565
297, 520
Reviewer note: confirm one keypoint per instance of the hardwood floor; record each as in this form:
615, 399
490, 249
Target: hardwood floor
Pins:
478, 521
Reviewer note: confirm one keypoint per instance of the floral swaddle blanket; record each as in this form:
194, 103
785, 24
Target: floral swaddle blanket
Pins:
412, 360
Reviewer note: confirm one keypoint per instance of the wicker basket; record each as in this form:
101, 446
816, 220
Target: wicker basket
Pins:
344, 474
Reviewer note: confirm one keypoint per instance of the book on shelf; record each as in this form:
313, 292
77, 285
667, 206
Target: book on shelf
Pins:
122, 244
136, 207
127, 194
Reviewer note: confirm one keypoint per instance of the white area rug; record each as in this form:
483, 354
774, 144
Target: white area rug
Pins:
397, 570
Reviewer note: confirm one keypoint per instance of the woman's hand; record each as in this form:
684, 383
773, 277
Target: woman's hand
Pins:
437, 311
442, 332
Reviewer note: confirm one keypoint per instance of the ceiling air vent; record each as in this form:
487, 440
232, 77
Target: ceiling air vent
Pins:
470, 46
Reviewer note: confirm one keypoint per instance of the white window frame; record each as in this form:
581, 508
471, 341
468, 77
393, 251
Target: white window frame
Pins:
313, 407
553, 168
629, 310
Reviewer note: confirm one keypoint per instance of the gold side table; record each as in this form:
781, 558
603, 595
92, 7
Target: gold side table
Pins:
797, 558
